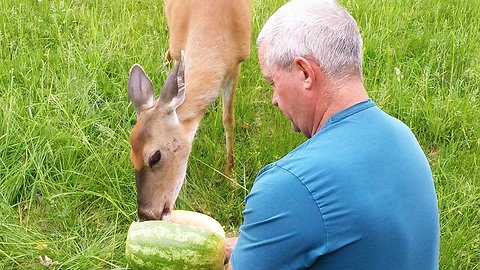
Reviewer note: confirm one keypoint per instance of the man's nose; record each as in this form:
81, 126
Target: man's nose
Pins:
274, 101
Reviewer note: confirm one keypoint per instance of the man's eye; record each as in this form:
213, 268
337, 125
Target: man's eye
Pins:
155, 158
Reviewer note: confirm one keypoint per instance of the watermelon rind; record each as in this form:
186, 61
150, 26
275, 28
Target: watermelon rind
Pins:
171, 246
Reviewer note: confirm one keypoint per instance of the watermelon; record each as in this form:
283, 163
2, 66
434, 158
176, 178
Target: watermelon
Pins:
189, 240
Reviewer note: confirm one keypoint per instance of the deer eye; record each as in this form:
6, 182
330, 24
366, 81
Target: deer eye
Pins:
155, 158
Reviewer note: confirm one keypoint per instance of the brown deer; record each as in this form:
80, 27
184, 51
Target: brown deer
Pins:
215, 38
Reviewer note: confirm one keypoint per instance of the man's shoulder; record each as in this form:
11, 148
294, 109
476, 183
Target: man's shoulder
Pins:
275, 171
314, 154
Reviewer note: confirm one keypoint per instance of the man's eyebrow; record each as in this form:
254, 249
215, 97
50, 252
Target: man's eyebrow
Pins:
267, 76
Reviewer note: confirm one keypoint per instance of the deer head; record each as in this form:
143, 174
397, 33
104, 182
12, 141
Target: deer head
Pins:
159, 145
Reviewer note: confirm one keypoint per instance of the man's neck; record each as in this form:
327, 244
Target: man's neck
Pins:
339, 97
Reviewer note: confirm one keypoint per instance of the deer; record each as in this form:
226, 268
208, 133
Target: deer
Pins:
208, 40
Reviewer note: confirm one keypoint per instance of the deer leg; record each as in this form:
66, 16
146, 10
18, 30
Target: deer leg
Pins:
168, 61
229, 117
167, 57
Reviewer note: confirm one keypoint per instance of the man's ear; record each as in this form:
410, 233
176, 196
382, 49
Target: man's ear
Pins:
305, 66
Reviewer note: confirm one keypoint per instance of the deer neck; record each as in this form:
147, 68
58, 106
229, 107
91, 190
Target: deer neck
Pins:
189, 122
191, 112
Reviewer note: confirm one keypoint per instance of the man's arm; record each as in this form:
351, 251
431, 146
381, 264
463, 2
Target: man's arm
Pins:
283, 226
230, 243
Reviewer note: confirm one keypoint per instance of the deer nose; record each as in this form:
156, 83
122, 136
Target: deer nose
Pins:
146, 214
150, 214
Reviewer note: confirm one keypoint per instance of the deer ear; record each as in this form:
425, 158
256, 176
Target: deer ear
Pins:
140, 89
173, 91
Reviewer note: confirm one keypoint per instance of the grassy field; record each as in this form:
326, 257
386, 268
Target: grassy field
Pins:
66, 183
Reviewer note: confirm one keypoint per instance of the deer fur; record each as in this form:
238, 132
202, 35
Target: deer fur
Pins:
209, 39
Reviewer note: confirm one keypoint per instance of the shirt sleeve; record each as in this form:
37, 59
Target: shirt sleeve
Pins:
283, 226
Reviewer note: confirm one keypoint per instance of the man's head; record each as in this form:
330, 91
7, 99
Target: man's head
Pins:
306, 48
319, 30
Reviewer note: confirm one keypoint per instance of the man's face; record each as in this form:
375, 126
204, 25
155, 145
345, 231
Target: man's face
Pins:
287, 88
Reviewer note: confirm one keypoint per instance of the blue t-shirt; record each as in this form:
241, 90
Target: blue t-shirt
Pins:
359, 194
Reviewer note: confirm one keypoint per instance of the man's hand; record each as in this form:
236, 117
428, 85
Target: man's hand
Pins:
230, 243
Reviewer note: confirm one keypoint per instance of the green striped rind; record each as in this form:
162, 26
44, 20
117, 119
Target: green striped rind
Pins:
170, 246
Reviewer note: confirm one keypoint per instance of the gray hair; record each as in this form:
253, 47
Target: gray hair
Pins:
317, 29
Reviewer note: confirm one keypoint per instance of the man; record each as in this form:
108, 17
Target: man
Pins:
359, 193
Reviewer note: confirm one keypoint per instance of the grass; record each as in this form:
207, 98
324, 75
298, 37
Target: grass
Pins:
66, 183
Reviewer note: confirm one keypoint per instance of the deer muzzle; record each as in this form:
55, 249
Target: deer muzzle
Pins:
154, 197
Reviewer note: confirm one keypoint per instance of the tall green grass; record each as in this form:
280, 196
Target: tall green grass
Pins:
66, 183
